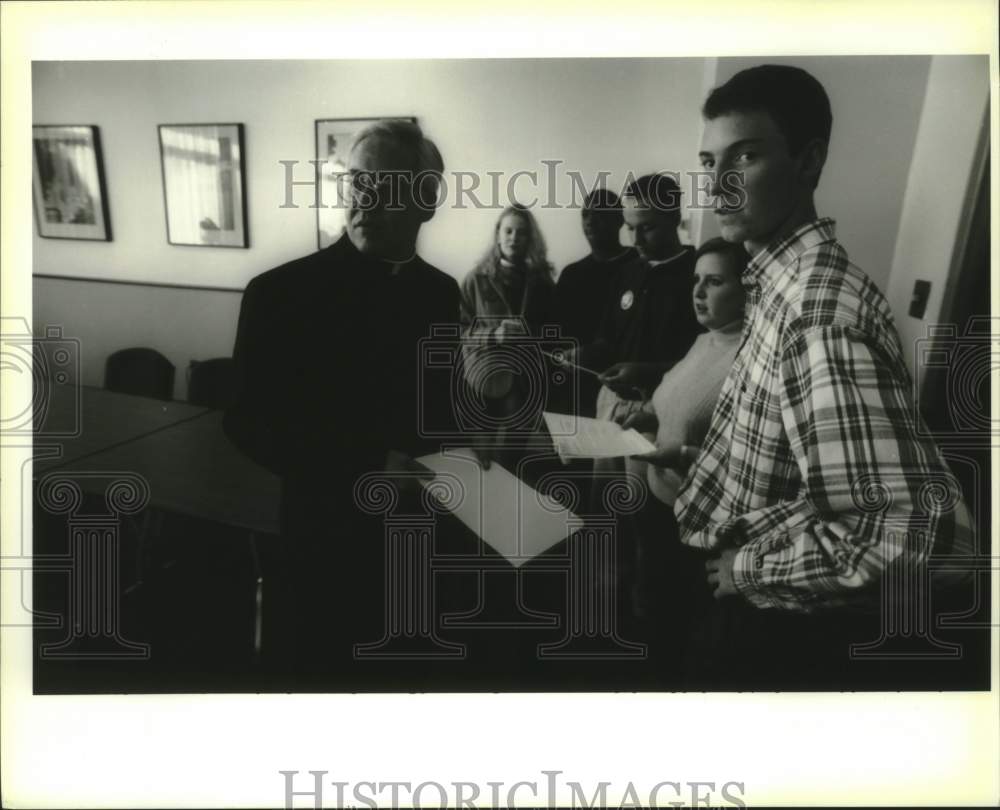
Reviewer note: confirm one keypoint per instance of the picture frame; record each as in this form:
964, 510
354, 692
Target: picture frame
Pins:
334, 140
68, 187
204, 186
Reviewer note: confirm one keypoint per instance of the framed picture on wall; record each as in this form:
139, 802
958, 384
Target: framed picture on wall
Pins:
334, 139
204, 191
70, 196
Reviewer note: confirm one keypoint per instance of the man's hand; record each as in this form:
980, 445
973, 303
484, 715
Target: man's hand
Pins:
624, 379
679, 457
404, 472
719, 572
641, 421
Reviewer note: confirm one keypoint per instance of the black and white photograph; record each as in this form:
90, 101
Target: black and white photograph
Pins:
634, 379
633, 411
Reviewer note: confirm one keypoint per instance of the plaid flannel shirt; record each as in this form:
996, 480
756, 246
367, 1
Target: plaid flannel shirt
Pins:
817, 465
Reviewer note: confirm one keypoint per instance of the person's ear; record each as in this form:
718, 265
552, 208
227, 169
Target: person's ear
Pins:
426, 197
812, 160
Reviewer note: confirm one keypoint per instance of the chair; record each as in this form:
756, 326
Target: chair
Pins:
140, 371
211, 382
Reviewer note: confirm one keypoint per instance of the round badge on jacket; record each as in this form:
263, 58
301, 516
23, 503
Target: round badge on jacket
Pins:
627, 299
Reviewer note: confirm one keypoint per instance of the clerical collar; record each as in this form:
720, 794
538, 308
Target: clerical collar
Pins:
391, 268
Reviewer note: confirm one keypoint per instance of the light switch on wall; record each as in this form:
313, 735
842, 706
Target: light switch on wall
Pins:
918, 303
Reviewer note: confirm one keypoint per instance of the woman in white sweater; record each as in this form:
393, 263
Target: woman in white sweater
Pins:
677, 419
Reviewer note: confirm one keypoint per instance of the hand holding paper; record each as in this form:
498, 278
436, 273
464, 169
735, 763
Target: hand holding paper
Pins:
677, 456
582, 437
405, 472
626, 379
642, 421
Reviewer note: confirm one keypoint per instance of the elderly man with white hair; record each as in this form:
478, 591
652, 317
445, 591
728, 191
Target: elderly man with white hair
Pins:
327, 389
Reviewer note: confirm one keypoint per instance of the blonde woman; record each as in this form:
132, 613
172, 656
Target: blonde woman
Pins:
505, 301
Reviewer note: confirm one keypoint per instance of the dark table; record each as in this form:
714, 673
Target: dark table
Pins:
145, 459
74, 422
188, 467
192, 469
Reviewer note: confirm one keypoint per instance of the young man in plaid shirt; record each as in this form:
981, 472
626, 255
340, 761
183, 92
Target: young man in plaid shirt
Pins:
817, 476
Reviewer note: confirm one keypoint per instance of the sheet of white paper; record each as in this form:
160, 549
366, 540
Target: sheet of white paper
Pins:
583, 437
511, 517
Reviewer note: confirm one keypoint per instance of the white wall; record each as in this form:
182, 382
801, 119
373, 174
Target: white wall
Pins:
184, 324
947, 163
486, 115
509, 115
876, 101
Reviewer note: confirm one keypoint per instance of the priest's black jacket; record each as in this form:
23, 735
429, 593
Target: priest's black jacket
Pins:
330, 372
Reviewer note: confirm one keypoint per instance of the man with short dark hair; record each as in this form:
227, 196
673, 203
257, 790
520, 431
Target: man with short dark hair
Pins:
327, 387
812, 481
649, 323
586, 286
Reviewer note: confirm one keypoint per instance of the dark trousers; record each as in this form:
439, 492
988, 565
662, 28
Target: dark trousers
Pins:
663, 585
735, 645
706, 643
325, 591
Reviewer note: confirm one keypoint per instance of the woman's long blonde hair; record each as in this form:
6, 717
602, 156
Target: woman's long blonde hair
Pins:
536, 258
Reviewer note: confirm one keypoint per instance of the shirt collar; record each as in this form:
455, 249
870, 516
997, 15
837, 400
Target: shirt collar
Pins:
669, 259
779, 254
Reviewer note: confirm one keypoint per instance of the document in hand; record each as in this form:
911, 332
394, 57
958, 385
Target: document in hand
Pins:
582, 437
517, 521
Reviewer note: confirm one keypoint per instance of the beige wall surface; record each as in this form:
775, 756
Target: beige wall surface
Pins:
894, 117
593, 115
